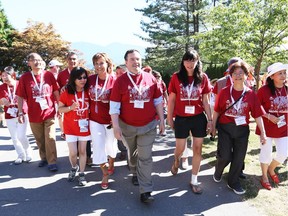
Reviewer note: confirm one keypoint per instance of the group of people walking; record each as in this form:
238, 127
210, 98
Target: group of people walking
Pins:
128, 107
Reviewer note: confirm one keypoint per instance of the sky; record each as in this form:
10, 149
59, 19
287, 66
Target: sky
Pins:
101, 22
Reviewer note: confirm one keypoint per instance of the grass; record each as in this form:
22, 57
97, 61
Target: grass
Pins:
272, 203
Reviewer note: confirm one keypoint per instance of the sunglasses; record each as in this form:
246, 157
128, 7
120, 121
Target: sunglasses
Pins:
80, 78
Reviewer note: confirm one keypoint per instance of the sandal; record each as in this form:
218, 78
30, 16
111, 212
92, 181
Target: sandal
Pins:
196, 189
174, 168
265, 185
105, 184
111, 171
274, 178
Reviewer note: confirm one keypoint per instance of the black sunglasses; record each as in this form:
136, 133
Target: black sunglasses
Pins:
80, 78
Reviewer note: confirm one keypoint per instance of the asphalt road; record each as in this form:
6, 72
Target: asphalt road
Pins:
28, 190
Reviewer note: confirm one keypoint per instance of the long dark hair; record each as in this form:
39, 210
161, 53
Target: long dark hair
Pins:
271, 86
75, 74
182, 75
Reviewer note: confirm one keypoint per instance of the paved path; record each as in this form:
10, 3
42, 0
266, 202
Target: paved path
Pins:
27, 189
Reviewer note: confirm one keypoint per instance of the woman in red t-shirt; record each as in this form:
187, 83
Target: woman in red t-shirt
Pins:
17, 130
189, 100
74, 103
274, 99
233, 107
104, 143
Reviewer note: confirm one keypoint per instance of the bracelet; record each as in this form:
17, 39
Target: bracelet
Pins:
20, 113
69, 108
210, 120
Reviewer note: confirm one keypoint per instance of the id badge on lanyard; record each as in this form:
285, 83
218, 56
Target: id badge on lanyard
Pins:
190, 109
83, 124
12, 111
139, 104
281, 121
42, 102
240, 120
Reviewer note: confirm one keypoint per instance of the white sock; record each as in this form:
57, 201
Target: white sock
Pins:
194, 180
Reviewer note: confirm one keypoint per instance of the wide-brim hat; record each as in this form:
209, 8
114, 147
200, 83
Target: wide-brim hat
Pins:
274, 68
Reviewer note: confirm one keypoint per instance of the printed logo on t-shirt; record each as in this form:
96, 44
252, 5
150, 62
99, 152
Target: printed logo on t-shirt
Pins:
82, 111
36, 91
232, 112
104, 97
184, 94
278, 104
134, 95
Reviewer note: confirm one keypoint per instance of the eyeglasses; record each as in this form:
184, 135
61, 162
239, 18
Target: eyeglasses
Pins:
80, 78
238, 74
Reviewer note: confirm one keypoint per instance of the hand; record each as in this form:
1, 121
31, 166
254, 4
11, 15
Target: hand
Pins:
5, 102
273, 119
263, 138
117, 132
21, 119
209, 127
170, 123
75, 105
162, 127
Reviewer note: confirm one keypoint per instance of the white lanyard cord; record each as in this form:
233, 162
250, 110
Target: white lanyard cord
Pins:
76, 98
41, 81
11, 96
189, 90
139, 90
102, 89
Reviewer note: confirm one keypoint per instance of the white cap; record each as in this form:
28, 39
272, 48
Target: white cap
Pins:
53, 63
274, 68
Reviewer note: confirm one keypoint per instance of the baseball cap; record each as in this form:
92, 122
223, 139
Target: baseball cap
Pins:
54, 62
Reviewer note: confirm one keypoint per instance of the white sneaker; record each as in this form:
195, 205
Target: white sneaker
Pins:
28, 159
185, 164
18, 161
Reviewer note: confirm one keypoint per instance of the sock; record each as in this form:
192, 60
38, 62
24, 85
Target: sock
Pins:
194, 180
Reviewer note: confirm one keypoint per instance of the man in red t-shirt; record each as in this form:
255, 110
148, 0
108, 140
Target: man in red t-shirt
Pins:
134, 102
40, 89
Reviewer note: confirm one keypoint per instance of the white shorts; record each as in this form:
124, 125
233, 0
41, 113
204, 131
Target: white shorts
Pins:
73, 138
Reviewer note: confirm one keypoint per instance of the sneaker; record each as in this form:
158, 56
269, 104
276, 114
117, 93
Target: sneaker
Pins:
63, 136
237, 190
82, 181
185, 164
72, 174
217, 179
28, 159
53, 167
42, 163
18, 161
135, 180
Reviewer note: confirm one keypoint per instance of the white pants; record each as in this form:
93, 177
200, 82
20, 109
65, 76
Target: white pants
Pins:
104, 142
266, 150
18, 136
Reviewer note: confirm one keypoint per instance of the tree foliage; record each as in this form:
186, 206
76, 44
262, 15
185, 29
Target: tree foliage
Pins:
170, 26
254, 30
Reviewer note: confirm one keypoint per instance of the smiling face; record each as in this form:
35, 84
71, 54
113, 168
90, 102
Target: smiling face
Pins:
72, 61
35, 62
101, 66
134, 62
279, 78
190, 65
238, 76
81, 81
6, 78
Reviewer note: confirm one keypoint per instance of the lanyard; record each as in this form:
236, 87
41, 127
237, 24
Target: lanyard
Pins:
189, 90
41, 81
102, 89
11, 96
139, 90
81, 108
237, 105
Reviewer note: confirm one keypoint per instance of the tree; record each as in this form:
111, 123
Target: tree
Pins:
39, 38
170, 26
6, 37
254, 30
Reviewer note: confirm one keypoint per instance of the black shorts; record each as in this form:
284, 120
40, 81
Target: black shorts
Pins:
196, 124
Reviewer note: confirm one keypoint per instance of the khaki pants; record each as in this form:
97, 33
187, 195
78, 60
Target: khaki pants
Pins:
139, 142
44, 134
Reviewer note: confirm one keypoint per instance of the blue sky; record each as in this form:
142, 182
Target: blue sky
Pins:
100, 22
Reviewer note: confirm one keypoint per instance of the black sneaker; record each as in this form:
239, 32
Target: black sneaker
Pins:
217, 179
42, 163
53, 167
72, 174
82, 181
146, 197
135, 180
238, 190
242, 175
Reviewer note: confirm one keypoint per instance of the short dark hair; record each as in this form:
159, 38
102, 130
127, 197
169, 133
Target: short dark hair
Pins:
75, 74
239, 64
128, 52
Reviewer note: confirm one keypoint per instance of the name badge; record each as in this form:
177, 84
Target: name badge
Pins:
43, 103
138, 104
189, 109
240, 120
12, 111
83, 124
281, 121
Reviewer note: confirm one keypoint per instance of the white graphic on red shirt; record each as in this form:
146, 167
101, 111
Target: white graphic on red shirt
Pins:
232, 112
82, 111
36, 91
135, 96
104, 98
184, 95
279, 104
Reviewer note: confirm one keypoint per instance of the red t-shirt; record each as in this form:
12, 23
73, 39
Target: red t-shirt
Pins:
276, 105
27, 89
183, 101
4, 93
125, 93
163, 89
99, 110
63, 77
71, 119
249, 104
